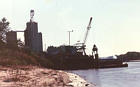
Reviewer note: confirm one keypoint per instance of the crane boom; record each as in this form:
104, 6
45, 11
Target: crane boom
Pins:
81, 46
88, 28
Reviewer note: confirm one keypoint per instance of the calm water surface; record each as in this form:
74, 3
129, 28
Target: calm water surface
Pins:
113, 77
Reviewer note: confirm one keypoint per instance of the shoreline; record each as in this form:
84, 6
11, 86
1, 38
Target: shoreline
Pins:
33, 76
78, 81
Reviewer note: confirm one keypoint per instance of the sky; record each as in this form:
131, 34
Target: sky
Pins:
115, 27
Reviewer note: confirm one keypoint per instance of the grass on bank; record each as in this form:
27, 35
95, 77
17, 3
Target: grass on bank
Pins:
18, 56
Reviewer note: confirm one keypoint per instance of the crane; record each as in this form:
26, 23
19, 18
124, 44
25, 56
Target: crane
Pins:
86, 34
82, 46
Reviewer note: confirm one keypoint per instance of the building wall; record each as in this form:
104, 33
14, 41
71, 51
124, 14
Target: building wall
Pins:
33, 39
11, 38
39, 41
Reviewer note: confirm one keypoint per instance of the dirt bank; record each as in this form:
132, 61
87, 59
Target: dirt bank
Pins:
31, 76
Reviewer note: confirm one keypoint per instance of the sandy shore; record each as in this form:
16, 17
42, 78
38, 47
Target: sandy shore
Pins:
30, 76
77, 81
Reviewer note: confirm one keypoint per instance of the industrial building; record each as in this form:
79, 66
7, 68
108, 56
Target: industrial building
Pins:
33, 39
11, 38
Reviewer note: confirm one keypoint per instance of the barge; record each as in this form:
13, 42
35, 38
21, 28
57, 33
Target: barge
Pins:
68, 58
74, 56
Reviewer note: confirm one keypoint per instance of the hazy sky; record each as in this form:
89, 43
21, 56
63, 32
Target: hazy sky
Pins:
115, 27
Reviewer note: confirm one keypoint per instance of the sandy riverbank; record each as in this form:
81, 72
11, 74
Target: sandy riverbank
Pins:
29, 76
77, 81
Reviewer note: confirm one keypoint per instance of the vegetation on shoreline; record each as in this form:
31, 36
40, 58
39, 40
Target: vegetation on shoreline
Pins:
20, 56
129, 56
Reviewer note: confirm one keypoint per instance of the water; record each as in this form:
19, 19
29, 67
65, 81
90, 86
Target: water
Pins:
113, 77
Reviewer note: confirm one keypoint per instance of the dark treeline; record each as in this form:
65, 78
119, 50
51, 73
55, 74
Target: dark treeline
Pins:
129, 56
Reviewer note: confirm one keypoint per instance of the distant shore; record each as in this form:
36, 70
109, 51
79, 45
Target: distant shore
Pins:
134, 61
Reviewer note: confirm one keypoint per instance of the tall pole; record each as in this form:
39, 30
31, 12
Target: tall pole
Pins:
69, 35
45, 47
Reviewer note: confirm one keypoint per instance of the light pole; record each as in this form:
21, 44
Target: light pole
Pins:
69, 35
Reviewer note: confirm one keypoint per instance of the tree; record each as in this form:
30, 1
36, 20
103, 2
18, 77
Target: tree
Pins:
4, 28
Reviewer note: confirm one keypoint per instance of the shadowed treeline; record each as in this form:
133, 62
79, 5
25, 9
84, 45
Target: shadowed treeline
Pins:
129, 56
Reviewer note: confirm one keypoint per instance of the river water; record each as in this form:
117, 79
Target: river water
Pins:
113, 77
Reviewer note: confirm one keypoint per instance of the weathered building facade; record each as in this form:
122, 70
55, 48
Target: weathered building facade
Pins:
33, 39
11, 38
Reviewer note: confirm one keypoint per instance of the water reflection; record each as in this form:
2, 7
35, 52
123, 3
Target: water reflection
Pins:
113, 77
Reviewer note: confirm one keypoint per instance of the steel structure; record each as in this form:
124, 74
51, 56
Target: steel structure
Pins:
81, 46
